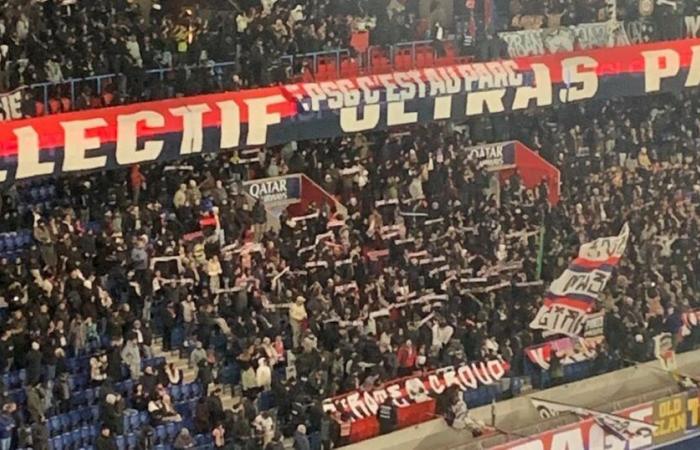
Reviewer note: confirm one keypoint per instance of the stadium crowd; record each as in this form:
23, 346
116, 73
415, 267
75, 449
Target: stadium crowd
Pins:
58, 41
316, 308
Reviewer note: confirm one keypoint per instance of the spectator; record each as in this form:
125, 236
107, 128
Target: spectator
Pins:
131, 356
301, 441
297, 317
184, 440
105, 441
406, 358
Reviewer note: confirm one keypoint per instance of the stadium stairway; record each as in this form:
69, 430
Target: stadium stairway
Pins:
228, 396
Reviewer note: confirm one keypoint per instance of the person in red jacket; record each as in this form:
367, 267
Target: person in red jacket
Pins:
407, 358
138, 182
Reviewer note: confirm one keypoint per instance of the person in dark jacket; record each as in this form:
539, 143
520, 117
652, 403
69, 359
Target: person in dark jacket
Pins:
202, 417
301, 440
40, 436
33, 363
105, 441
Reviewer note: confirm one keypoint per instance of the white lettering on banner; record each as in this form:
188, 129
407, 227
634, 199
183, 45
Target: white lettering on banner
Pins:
558, 319
192, 133
28, 162
397, 115
560, 39
127, 137
594, 326
269, 189
230, 124
11, 105
653, 70
602, 249
541, 91
585, 82
621, 426
491, 155
485, 87
260, 118
694, 69
524, 42
571, 282
417, 389
692, 26
592, 35
589, 435
350, 123
77, 144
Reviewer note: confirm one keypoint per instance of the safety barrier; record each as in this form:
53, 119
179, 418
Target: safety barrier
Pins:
53, 98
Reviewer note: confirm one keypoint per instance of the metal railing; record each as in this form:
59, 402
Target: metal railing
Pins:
71, 88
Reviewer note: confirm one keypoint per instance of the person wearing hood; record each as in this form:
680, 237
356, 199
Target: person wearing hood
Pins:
131, 355
183, 440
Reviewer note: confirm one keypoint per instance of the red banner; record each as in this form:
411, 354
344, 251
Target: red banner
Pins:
587, 435
417, 389
178, 128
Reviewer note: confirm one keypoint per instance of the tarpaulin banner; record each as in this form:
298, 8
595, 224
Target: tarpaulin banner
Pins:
275, 189
11, 105
669, 418
410, 390
177, 128
572, 296
584, 36
622, 427
568, 350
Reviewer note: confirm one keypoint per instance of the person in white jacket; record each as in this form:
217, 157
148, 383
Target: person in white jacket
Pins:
263, 375
264, 424
442, 333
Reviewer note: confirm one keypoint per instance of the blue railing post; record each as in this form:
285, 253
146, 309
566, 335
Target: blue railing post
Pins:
337, 63
72, 92
46, 98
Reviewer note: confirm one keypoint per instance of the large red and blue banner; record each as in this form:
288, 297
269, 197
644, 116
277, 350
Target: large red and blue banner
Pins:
177, 128
572, 296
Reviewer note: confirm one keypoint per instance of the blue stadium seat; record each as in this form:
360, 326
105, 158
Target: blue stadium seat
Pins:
85, 435
186, 391
196, 390
133, 421
176, 393
54, 426
121, 443
67, 439
161, 434
65, 423
56, 443
128, 387
91, 396
131, 440
76, 437
173, 429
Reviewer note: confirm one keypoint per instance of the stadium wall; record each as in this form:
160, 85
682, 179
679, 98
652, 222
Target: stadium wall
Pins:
641, 392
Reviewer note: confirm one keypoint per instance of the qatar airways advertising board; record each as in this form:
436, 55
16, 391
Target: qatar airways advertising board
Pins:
178, 128
676, 418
